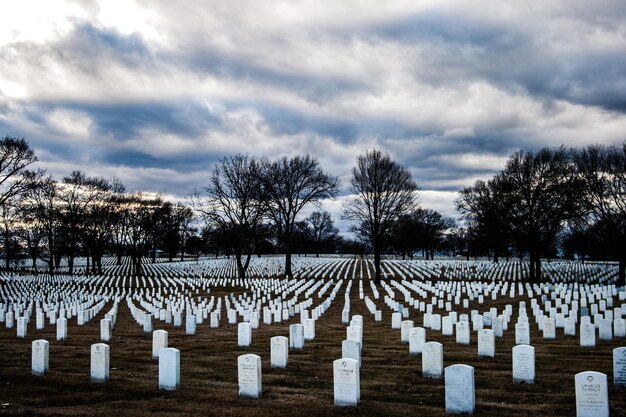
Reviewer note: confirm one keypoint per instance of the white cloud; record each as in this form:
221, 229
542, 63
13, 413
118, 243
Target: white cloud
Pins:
449, 88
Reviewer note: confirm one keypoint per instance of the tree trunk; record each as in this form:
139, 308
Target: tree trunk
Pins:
7, 249
531, 267
288, 272
377, 265
622, 270
87, 272
241, 270
538, 269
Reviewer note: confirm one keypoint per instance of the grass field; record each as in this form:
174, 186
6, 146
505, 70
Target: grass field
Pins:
391, 381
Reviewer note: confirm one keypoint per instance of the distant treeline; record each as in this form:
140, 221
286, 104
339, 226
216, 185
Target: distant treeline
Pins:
555, 202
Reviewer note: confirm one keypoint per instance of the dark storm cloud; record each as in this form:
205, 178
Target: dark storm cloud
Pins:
159, 91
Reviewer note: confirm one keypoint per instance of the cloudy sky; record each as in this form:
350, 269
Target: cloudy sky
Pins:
154, 92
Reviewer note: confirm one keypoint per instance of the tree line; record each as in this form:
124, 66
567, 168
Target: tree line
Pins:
542, 204
549, 203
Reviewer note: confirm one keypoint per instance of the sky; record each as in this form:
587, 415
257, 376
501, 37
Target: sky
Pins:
156, 92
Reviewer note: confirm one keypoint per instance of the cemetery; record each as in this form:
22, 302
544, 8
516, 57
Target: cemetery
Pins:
432, 338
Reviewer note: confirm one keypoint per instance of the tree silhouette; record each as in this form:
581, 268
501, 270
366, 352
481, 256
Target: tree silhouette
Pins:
288, 186
383, 192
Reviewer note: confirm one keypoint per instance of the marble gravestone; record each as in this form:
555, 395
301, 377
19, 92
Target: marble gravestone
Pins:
159, 341
309, 329
62, 328
587, 335
619, 367
432, 360
190, 324
296, 336
169, 369
244, 334
100, 362
459, 385
40, 356
346, 382
249, 376
279, 351
417, 339
524, 364
486, 343
463, 333
351, 349
105, 330
522, 333
592, 397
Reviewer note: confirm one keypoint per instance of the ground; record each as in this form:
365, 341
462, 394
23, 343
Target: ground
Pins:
391, 381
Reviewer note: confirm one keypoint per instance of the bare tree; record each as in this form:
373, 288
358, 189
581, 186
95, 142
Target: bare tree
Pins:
321, 230
603, 172
41, 204
100, 222
234, 208
141, 211
541, 194
288, 186
383, 191
484, 206
15, 157
9, 217
77, 194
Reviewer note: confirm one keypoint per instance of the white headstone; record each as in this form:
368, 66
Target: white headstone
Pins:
432, 360
105, 330
250, 376
417, 339
147, 323
309, 329
351, 349
190, 324
462, 333
9, 319
99, 362
460, 397
40, 355
605, 327
447, 328
21, 327
592, 397
549, 328
405, 326
396, 320
486, 343
619, 367
169, 369
355, 333
587, 335
244, 334
522, 333
279, 351
215, 320
619, 327
159, 341
347, 382
40, 320
62, 328
296, 336
524, 364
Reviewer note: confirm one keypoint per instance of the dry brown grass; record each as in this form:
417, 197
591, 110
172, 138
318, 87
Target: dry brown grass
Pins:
391, 381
